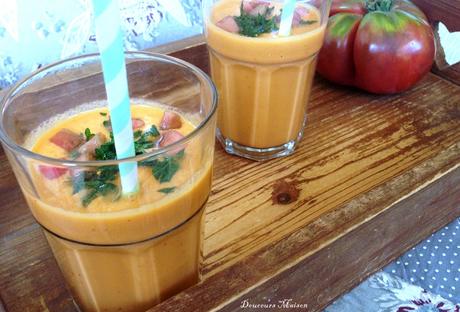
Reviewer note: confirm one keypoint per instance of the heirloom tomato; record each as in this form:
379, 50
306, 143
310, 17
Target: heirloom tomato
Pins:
382, 46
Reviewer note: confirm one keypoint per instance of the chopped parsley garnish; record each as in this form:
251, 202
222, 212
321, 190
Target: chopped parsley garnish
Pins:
254, 25
101, 182
103, 114
107, 150
307, 22
153, 131
95, 183
165, 168
146, 140
107, 124
88, 134
167, 190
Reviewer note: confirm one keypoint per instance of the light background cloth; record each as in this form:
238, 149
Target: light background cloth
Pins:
35, 33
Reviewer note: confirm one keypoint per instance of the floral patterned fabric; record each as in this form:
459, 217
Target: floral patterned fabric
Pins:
426, 278
35, 33
384, 292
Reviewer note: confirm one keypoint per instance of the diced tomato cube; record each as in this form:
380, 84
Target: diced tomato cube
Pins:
170, 120
67, 139
229, 24
137, 123
299, 14
250, 5
51, 172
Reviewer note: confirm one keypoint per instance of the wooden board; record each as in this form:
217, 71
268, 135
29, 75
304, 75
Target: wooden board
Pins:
375, 175
448, 12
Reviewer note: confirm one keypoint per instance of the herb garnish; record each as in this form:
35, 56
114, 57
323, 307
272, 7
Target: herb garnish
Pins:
167, 190
146, 140
88, 134
107, 150
254, 25
165, 168
107, 124
101, 182
95, 183
103, 114
98, 182
307, 22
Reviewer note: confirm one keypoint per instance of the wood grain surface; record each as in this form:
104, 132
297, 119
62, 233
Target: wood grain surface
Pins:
446, 11
368, 164
452, 73
361, 155
323, 276
366, 142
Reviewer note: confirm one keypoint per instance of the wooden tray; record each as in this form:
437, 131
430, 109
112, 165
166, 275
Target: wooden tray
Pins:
372, 177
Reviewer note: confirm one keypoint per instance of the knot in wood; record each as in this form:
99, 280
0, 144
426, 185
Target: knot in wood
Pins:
284, 192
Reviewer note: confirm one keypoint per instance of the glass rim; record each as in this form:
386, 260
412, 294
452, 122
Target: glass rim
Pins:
207, 4
9, 96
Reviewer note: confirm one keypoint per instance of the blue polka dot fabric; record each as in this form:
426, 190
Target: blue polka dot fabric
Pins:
434, 264
426, 278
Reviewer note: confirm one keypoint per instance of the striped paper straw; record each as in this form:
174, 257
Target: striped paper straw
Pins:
286, 17
109, 39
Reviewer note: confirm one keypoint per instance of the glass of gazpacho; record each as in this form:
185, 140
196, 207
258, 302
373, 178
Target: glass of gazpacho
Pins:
116, 252
264, 79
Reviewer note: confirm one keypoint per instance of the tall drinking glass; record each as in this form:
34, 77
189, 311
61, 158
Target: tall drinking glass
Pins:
116, 252
264, 79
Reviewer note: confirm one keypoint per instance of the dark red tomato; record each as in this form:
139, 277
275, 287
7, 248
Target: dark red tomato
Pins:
382, 46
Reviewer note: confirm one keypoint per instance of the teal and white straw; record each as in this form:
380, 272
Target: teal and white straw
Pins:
109, 39
286, 17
